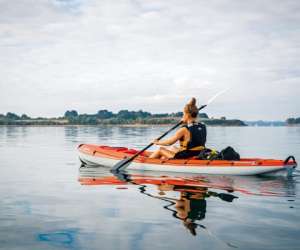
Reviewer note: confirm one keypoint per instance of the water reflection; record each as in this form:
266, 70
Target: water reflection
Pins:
71, 133
190, 206
15, 132
187, 196
280, 186
184, 197
64, 238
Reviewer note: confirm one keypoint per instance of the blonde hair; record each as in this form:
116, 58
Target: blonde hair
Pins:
191, 108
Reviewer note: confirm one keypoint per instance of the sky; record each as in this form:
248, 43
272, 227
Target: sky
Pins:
154, 55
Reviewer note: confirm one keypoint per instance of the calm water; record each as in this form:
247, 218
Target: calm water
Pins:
48, 202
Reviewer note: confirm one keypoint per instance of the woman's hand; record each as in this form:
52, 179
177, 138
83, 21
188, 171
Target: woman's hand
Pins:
155, 142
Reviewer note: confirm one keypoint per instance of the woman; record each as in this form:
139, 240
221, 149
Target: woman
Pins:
191, 136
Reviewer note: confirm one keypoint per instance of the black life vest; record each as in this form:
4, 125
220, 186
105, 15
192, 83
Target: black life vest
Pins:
197, 137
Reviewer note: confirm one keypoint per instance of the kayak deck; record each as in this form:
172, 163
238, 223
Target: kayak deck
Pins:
109, 156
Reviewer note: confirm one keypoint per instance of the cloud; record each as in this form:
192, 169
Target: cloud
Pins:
149, 54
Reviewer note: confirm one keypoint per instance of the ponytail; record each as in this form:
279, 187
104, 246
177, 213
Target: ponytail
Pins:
191, 108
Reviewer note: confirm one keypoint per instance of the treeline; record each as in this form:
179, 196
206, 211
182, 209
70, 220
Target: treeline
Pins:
124, 117
106, 117
293, 121
14, 119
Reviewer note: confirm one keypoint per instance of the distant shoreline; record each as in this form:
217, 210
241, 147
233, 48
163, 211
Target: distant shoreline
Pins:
130, 125
126, 118
105, 125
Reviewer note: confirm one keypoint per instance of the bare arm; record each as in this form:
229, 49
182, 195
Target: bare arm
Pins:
170, 141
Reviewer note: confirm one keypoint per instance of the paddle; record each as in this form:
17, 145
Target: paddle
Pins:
121, 165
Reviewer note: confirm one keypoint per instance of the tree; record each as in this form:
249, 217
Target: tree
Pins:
161, 115
104, 114
125, 114
178, 114
142, 114
291, 121
12, 116
203, 115
91, 120
25, 117
71, 114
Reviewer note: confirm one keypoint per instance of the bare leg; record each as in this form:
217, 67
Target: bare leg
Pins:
155, 154
167, 153
162, 152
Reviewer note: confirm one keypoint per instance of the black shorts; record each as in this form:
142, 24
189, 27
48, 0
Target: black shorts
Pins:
184, 154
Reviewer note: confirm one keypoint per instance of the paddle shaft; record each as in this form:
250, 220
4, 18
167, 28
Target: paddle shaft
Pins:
125, 162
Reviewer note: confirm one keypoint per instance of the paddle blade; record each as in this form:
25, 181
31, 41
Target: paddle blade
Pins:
121, 165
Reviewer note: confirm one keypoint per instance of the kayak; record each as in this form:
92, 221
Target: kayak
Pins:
107, 156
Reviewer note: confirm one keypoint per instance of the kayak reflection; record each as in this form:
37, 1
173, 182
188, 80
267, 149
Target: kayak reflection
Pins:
186, 195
